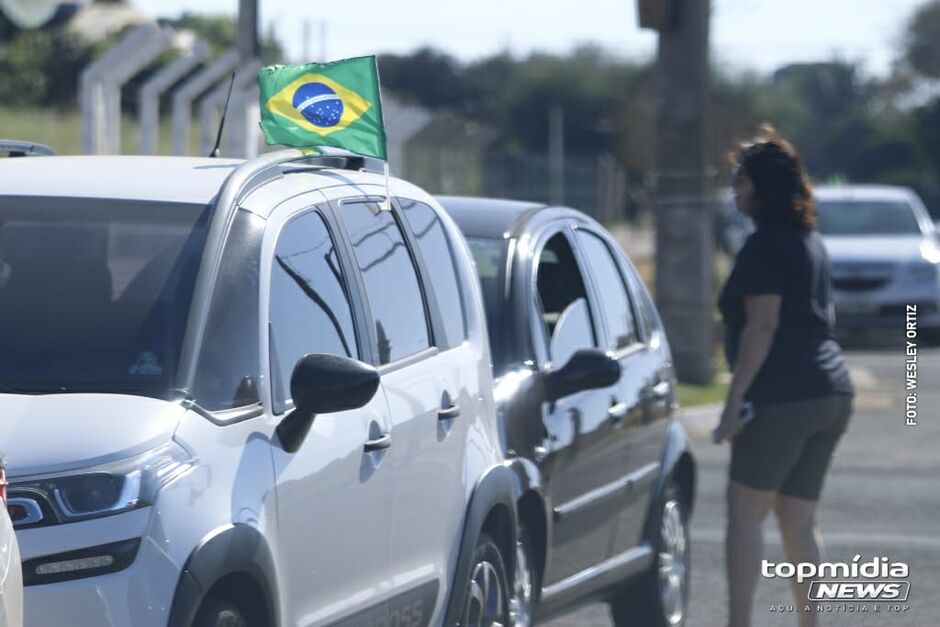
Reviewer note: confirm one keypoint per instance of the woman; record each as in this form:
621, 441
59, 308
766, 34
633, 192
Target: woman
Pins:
786, 366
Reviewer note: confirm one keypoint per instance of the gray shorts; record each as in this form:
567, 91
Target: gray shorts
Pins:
787, 447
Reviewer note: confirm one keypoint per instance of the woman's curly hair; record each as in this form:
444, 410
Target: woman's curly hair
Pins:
781, 186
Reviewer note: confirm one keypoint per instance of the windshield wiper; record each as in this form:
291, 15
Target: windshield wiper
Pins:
32, 389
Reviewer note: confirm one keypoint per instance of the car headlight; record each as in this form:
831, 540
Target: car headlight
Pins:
930, 252
99, 491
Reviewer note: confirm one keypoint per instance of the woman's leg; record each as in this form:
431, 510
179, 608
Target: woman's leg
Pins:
747, 509
802, 543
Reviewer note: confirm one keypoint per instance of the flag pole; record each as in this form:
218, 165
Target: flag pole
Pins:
378, 85
388, 189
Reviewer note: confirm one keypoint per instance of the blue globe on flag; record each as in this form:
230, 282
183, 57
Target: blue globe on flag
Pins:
320, 105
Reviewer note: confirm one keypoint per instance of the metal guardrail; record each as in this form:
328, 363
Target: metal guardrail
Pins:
17, 148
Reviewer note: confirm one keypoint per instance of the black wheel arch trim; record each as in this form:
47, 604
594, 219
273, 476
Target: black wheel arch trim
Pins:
228, 550
496, 488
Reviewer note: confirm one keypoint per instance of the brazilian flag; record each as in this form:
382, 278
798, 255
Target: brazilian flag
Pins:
324, 104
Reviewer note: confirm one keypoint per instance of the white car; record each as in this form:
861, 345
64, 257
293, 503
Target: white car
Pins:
246, 394
885, 256
11, 579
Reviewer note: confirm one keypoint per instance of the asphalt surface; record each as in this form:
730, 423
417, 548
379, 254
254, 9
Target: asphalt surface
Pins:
881, 498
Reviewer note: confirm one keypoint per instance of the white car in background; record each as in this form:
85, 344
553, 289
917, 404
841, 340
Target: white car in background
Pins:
885, 255
11, 578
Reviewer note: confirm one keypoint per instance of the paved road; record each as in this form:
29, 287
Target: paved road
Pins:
882, 498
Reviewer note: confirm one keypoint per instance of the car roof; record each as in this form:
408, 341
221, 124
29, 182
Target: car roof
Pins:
169, 179
863, 192
196, 180
486, 217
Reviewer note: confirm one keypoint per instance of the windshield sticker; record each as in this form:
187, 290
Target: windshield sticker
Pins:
146, 364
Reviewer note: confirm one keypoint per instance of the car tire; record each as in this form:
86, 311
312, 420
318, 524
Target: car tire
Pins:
525, 586
660, 596
220, 613
486, 603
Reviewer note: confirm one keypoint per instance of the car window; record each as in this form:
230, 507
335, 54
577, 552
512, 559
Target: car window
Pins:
866, 218
95, 294
438, 258
390, 279
310, 310
229, 363
614, 301
563, 299
649, 319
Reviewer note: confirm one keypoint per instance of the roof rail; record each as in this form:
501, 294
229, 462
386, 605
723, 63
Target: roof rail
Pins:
17, 148
239, 183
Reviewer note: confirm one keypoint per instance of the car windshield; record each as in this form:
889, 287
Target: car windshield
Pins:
490, 257
869, 218
95, 294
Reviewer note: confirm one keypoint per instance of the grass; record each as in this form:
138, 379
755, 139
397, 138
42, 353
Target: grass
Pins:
691, 395
62, 130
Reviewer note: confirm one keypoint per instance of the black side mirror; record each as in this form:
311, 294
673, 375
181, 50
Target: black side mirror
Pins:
323, 384
588, 369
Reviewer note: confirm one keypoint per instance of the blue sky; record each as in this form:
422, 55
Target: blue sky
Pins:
746, 34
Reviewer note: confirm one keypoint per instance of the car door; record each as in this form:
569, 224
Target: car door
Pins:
582, 458
623, 338
660, 399
334, 494
417, 322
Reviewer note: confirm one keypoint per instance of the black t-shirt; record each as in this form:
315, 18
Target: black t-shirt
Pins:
804, 360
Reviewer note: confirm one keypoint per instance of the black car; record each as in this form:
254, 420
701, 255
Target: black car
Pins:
586, 395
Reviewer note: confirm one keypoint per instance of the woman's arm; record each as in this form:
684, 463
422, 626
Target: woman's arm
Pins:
762, 315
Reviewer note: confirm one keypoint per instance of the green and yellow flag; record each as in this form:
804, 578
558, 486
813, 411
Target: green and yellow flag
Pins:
324, 104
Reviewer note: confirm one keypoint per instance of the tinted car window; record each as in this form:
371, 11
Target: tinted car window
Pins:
229, 363
563, 299
391, 281
866, 218
310, 311
649, 320
439, 260
615, 303
95, 294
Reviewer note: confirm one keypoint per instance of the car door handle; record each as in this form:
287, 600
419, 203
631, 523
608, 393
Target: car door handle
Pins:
449, 413
617, 412
378, 444
660, 391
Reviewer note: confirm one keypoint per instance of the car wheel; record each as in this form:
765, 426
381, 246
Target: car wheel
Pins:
660, 597
524, 585
487, 596
219, 613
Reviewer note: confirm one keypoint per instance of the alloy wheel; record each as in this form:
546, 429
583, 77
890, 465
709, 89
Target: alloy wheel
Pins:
520, 606
486, 603
673, 562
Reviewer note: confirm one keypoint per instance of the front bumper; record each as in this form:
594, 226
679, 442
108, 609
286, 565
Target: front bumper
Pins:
887, 307
139, 596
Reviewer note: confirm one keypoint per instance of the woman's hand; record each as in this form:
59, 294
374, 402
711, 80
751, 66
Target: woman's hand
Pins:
730, 420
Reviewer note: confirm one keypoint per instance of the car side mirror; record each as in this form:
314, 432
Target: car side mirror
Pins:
324, 384
588, 369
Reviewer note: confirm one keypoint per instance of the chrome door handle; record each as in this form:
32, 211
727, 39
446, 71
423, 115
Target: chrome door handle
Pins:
378, 444
617, 412
661, 390
449, 413
540, 453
